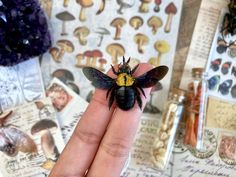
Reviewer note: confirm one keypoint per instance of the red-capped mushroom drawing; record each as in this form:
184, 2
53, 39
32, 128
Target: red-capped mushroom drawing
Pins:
88, 55
115, 50
118, 23
64, 17
102, 62
170, 10
157, 7
84, 4
65, 46
96, 54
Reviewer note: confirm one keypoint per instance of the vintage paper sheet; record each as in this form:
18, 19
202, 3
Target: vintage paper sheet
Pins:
30, 140
203, 35
21, 83
218, 158
93, 49
72, 106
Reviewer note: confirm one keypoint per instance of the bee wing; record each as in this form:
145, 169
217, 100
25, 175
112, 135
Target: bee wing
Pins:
99, 80
151, 77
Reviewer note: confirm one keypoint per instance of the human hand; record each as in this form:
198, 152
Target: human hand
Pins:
102, 138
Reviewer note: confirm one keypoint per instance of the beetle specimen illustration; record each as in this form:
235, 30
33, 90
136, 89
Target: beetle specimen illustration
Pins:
225, 67
225, 86
125, 89
13, 140
215, 64
229, 22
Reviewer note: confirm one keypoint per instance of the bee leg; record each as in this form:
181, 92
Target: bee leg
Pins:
139, 100
112, 98
134, 69
109, 90
142, 91
113, 70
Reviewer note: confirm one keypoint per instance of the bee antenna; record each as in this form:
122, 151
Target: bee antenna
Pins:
128, 61
124, 59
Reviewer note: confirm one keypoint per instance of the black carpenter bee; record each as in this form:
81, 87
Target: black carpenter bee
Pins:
125, 89
229, 23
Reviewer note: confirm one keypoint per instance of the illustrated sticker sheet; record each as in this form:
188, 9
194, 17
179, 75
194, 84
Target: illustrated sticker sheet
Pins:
21, 83
100, 33
221, 66
30, 140
68, 105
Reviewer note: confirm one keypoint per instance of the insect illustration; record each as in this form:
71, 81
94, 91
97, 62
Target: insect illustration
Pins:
13, 140
125, 89
229, 23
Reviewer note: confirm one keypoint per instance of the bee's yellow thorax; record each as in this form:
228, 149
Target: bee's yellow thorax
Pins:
124, 79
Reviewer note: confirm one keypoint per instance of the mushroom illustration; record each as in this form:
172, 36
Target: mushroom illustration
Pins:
102, 32
141, 40
171, 10
157, 7
81, 33
155, 23
79, 59
84, 4
102, 62
64, 17
161, 47
89, 55
64, 75
115, 50
66, 3
54, 51
118, 23
65, 46
47, 6
101, 7
136, 22
96, 54
73, 86
124, 4
44, 128
144, 6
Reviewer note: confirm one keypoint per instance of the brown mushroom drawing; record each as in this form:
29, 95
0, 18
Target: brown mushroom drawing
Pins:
118, 23
84, 4
81, 33
79, 59
102, 31
101, 7
141, 40
161, 47
171, 10
96, 54
44, 128
155, 23
136, 22
64, 17
124, 4
65, 46
66, 3
54, 51
102, 62
88, 55
115, 50
47, 6
144, 6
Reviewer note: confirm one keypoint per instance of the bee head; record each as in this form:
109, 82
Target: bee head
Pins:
124, 67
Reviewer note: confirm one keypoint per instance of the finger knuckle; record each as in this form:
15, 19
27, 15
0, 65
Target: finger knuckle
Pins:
116, 148
87, 136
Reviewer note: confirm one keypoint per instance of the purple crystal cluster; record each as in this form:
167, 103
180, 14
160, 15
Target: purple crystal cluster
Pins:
23, 31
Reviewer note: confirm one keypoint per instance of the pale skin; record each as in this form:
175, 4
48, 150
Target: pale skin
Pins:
102, 140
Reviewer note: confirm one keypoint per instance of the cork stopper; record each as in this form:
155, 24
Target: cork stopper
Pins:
197, 72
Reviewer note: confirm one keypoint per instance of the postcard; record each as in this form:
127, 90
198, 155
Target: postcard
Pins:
68, 105
20, 84
30, 140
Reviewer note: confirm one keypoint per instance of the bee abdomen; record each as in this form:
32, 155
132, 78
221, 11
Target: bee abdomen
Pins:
125, 98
